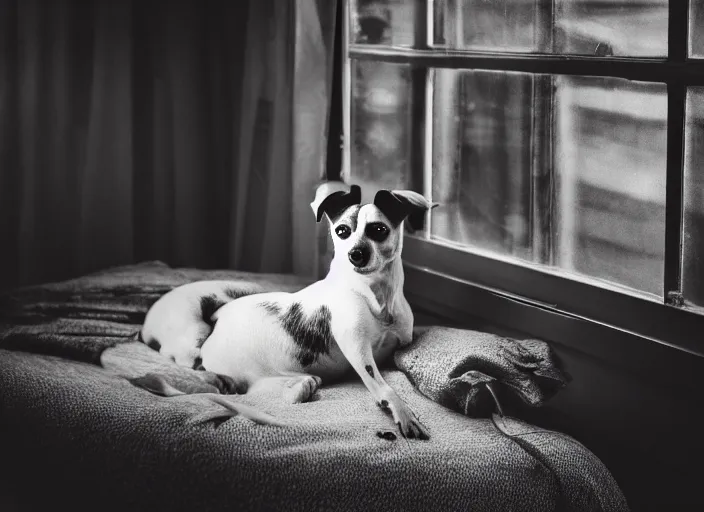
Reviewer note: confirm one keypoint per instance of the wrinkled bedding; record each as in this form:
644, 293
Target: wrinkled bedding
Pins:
81, 317
74, 431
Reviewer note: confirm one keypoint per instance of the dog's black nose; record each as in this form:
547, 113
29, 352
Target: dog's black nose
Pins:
359, 256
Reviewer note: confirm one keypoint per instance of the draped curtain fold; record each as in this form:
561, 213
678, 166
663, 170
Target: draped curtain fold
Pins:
313, 77
152, 129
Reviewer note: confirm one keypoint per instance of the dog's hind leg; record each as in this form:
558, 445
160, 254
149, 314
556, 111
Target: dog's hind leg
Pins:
159, 385
301, 389
225, 384
294, 387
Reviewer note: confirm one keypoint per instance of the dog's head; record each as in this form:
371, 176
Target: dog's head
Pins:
368, 237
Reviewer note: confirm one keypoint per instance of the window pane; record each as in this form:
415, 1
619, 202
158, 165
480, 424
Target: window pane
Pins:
589, 200
696, 29
693, 247
616, 27
623, 29
610, 159
381, 122
385, 22
482, 160
502, 25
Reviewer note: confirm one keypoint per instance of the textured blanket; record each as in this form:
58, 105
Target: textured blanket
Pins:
76, 425
475, 372
80, 318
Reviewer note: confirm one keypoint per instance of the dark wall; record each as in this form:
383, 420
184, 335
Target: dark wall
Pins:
644, 429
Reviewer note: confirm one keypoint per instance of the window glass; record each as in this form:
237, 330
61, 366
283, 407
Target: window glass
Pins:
610, 162
383, 22
581, 27
501, 25
693, 243
623, 29
560, 171
564, 172
482, 132
696, 29
381, 125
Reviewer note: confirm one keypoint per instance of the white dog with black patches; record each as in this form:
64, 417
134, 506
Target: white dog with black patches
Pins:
355, 317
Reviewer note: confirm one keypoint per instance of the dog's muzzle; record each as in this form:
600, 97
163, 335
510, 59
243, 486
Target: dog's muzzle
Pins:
359, 256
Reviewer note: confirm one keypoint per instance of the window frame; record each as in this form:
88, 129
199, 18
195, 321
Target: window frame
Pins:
433, 268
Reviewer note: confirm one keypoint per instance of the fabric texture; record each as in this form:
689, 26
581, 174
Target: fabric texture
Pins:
454, 366
79, 318
77, 425
92, 438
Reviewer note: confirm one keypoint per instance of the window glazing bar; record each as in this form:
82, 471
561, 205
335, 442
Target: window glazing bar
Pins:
678, 26
647, 70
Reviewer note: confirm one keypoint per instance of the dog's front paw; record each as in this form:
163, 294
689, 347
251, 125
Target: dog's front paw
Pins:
407, 423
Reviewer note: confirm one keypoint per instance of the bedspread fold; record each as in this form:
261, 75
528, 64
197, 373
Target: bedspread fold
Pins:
80, 318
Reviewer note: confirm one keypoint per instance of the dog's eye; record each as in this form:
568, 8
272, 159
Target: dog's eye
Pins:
343, 231
376, 231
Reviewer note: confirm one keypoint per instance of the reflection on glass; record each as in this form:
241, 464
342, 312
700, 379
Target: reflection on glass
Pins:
582, 189
482, 159
381, 125
696, 29
693, 246
610, 164
623, 29
384, 22
501, 25
581, 27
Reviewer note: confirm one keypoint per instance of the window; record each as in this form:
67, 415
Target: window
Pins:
563, 139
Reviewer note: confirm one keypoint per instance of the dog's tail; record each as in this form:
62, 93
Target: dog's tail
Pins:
246, 411
158, 385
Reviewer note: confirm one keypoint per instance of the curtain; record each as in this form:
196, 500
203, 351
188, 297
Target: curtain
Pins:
151, 129
314, 62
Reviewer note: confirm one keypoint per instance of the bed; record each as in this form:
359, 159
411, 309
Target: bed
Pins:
75, 432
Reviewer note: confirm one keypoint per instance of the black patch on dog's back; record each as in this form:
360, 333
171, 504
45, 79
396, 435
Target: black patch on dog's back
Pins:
236, 293
209, 304
312, 334
271, 307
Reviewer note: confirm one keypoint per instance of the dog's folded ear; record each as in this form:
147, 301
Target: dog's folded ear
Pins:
398, 205
333, 198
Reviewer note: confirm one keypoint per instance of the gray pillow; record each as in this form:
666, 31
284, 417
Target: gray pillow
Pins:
473, 372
